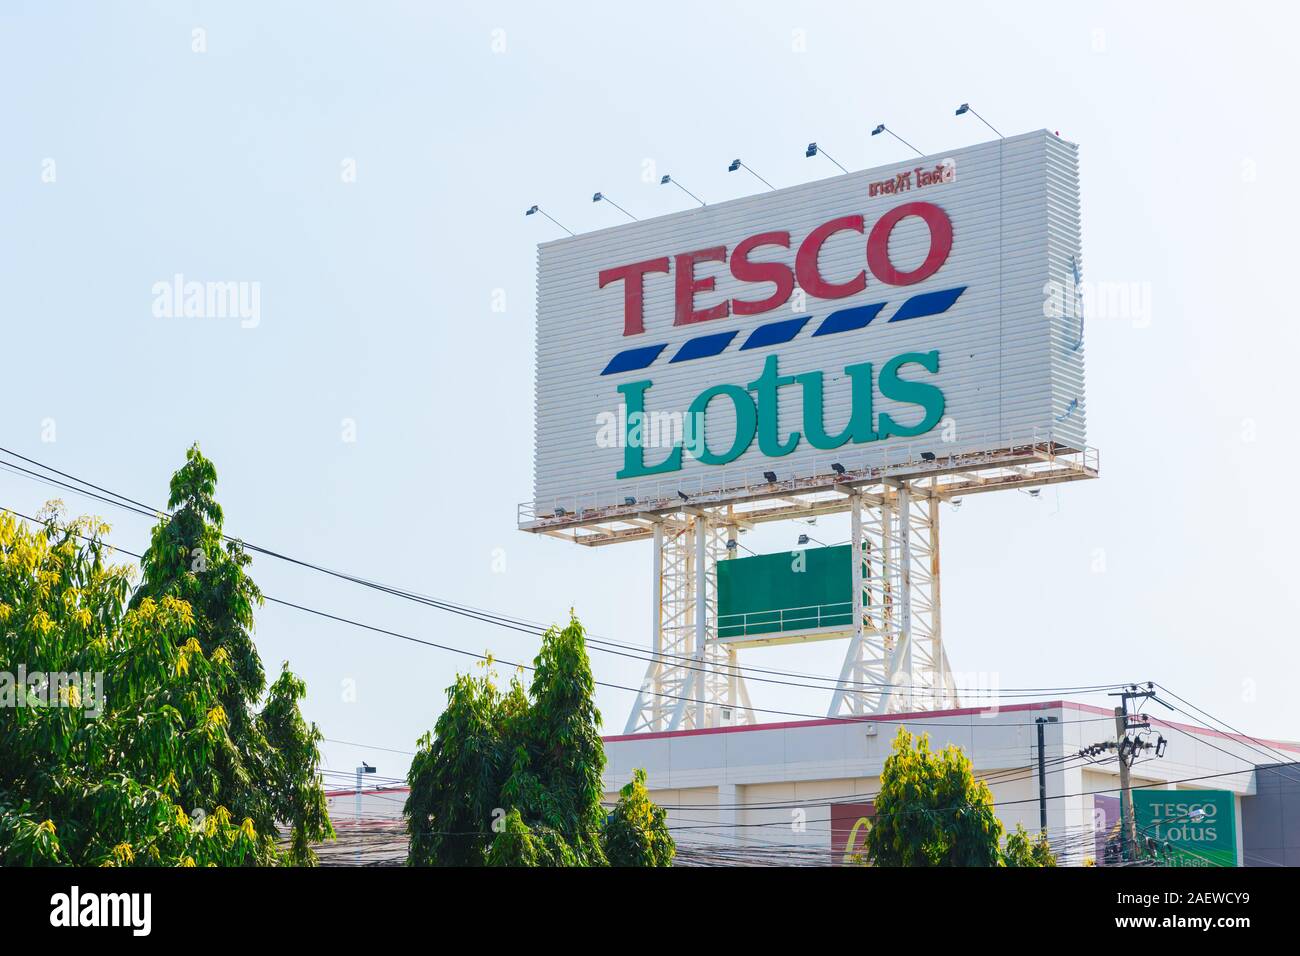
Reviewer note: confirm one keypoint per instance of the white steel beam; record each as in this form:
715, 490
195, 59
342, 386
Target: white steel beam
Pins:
692, 677
898, 662
701, 613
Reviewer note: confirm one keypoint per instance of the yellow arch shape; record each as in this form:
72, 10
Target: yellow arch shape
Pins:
863, 823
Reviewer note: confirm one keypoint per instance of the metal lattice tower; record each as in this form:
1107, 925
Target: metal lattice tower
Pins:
693, 680
895, 660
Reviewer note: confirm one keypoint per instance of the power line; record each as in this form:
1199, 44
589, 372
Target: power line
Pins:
830, 683
995, 804
1068, 844
795, 803
139, 507
882, 718
528, 667
1272, 755
616, 686
506, 621
349, 743
1268, 750
1004, 803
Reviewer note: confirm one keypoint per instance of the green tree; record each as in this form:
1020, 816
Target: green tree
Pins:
1022, 849
92, 762
636, 833
269, 774
513, 777
931, 811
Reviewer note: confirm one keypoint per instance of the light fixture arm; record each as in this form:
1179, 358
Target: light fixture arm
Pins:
550, 217
967, 108
883, 128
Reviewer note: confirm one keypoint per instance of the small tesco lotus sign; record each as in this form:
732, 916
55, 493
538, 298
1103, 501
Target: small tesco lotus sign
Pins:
833, 320
1189, 827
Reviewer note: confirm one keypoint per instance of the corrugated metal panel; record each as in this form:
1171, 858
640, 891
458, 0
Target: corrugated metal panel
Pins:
1065, 260
1006, 369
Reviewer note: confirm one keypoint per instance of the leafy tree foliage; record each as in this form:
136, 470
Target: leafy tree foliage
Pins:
269, 774
931, 811
104, 789
181, 767
1024, 849
636, 833
513, 777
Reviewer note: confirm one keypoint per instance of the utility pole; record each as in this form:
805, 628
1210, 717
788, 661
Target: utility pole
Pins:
1127, 750
1042, 774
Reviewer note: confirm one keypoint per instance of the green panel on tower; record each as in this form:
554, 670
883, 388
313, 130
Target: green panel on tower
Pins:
798, 590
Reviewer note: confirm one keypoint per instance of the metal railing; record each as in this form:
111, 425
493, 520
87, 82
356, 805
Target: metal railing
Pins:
755, 623
866, 462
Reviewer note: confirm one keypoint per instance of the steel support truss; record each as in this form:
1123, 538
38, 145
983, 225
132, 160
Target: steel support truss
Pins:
692, 680
895, 660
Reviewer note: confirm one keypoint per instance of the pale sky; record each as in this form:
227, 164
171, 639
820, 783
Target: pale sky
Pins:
129, 158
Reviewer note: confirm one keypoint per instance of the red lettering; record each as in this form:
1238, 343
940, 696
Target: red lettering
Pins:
778, 273
633, 291
940, 243
688, 286
806, 268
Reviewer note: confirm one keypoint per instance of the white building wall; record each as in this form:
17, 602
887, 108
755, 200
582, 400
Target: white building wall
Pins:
738, 787
772, 786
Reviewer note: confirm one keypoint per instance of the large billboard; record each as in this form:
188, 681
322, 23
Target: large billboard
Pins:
872, 319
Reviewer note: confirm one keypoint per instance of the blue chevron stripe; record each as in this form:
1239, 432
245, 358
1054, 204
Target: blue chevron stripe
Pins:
847, 320
775, 333
785, 330
928, 303
703, 346
629, 360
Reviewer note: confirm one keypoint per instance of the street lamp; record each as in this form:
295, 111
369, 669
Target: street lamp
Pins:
1042, 773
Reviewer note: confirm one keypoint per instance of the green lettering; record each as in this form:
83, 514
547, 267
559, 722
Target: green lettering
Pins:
767, 386
859, 425
634, 465
928, 396
746, 422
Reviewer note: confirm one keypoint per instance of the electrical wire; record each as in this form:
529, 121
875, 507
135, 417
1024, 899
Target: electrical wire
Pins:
124, 502
1267, 750
489, 658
